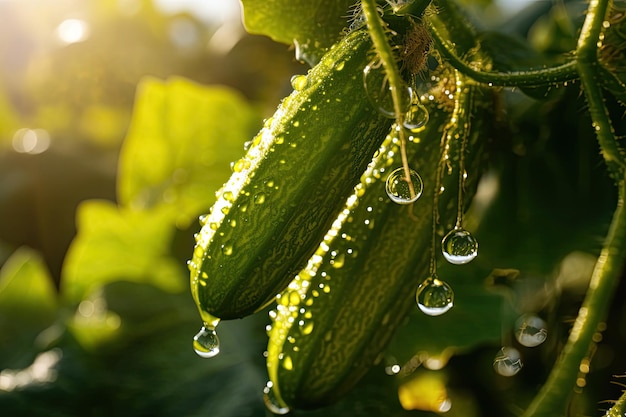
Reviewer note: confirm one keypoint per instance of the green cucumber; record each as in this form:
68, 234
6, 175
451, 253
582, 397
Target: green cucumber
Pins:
287, 190
336, 318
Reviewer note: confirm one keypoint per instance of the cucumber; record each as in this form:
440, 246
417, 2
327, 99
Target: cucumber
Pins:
337, 316
284, 194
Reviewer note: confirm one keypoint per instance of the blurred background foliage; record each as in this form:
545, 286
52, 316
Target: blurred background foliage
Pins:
118, 122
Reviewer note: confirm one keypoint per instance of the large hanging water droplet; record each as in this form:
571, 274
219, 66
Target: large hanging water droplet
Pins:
402, 191
379, 92
507, 362
272, 403
530, 330
434, 297
459, 246
416, 118
206, 343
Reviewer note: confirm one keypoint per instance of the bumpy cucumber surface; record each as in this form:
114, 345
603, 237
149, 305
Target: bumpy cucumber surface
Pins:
336, 318
285, 193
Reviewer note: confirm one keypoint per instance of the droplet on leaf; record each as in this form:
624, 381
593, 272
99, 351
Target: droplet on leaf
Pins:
299, 82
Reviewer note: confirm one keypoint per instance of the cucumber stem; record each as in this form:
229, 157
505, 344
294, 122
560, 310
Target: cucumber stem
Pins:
376, 29
453, 21
608, 268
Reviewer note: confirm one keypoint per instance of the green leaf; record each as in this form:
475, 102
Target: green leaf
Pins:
180, 143
28, 305
116, 243
312, 25
475, 319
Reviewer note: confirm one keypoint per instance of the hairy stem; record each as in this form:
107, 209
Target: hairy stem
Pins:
450, 21
376, 29
555, 392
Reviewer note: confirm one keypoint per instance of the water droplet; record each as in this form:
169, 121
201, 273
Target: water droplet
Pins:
416, 118
507, 362
434, 297
530, 330
272, 402
378, 90
228, 196
241, 165
259, 198
399, 189
203, 219
306, 327
339, 65
299, 82
206, 343
288, 363
338, 260
459, 246
227, 249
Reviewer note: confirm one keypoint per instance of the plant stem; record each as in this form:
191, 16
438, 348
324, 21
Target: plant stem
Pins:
619, 408
589, 68
553, 395
376, 30
450, 22
555, 392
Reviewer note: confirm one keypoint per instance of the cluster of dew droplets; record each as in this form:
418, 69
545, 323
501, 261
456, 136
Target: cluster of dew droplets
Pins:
206, 343
530, 331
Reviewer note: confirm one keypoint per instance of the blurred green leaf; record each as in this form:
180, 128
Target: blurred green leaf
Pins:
118, 243
180, 143
477, 318
28, 305
312, 25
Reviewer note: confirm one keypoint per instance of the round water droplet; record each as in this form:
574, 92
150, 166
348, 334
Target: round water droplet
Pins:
259, 198
434, 297
272, 403
402, 191
507, 362
416, 118
227, 249
299, 82
206, 343
530, 330
378, 90
459, 246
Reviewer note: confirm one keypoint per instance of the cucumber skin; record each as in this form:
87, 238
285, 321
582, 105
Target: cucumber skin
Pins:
321, 344
270, 216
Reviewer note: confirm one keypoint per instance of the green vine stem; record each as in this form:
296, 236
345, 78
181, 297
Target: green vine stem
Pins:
450, 20
589, 68
376, 28
608, 268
